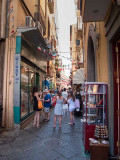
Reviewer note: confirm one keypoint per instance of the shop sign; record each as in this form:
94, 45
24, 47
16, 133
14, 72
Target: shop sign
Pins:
17, 80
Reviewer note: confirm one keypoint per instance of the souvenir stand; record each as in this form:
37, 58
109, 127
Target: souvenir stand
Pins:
95, 110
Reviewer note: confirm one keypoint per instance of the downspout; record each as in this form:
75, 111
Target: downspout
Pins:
3, 20
7, 19
5, 8
118, 102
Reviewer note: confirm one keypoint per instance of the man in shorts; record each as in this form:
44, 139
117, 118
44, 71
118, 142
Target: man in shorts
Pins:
47, 103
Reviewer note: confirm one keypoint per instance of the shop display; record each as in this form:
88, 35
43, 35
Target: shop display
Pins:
95, 112
101, 132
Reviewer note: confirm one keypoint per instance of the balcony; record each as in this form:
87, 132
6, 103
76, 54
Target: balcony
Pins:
51, 6
40, 17
93, 11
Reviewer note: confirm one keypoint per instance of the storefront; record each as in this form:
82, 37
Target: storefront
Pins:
29, 70
30, 77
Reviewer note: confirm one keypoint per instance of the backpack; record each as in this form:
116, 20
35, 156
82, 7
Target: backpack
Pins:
77, 103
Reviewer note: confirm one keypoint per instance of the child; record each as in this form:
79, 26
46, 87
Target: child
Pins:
71, 102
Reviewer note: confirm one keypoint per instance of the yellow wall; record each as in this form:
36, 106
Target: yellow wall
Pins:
31, 6
102, 55
101, 52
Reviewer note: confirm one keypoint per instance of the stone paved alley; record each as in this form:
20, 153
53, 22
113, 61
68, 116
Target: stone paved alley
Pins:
45, 143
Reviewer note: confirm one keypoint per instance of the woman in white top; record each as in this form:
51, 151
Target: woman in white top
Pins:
58, 112
71, 102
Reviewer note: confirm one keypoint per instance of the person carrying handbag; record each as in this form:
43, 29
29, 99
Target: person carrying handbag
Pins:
36, 97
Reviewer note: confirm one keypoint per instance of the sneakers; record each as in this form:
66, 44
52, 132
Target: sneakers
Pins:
72, 123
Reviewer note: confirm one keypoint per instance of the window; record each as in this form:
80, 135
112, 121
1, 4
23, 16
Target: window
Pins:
24, 91
28, 80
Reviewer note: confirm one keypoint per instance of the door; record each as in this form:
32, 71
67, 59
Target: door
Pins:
116, 69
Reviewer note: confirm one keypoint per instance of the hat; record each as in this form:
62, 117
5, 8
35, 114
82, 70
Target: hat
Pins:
46, 90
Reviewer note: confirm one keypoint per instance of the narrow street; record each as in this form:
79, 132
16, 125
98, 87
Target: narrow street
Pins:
45, 143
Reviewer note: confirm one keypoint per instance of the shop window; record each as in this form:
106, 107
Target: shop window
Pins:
31, 85
24, 91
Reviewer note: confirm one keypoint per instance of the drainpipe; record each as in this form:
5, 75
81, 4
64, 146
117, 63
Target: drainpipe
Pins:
7, 19
118, 101
3, 20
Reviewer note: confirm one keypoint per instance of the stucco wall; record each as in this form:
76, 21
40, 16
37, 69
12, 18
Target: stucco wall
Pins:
100, 49
102, 60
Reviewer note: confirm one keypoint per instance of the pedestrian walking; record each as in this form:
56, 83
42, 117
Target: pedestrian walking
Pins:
58, 112
36, 97
65, 96
71, 106
47, 104
78, 102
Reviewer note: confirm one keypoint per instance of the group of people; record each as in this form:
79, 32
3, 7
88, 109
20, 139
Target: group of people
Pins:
65, 101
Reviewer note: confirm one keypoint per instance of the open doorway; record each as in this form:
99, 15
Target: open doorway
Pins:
116, 86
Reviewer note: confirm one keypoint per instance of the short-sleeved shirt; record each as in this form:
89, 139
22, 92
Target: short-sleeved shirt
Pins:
47, 104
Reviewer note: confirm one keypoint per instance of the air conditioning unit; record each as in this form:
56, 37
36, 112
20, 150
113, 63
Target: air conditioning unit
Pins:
40, 27
29, 21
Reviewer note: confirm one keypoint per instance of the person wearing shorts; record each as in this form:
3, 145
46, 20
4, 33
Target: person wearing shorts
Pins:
47, 103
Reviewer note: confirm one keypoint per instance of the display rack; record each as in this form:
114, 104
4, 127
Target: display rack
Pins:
95, 109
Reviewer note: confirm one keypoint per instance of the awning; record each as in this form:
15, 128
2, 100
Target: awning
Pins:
34, 38
79, 77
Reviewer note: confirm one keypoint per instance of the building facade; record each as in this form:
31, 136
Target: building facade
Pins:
28, 53
76, 48
102, 57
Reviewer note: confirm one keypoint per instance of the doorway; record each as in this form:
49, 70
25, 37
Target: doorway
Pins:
116, 87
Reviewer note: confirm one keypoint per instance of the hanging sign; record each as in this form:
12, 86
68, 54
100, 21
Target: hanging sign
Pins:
17, 80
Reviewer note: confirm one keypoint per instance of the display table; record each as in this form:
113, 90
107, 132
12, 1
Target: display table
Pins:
99, 151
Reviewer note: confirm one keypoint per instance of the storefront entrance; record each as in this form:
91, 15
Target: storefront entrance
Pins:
116, 82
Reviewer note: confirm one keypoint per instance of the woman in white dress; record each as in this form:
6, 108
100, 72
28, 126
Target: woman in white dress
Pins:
58, 112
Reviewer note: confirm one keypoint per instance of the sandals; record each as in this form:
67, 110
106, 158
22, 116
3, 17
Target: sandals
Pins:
46, 120
34, 125
38, 126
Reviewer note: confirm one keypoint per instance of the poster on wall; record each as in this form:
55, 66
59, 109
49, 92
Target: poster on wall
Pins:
17, 80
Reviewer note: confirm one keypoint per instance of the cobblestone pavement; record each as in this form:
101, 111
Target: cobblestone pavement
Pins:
45, 143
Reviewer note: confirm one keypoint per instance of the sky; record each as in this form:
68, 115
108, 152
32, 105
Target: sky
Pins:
66, 17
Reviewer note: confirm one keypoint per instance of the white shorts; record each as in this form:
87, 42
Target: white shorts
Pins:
46, 110
65, 106
71, 109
